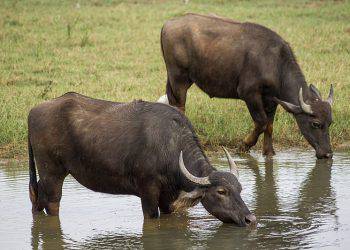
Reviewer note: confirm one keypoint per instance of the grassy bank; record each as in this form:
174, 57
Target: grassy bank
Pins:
110, 50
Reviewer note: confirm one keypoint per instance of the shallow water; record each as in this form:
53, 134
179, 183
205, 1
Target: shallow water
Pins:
299, 203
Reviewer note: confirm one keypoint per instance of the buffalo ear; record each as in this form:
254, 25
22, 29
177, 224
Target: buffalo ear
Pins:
289, 107
187, 199
315, 91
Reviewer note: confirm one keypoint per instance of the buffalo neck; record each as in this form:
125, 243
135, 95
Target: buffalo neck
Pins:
195, 160
292, 80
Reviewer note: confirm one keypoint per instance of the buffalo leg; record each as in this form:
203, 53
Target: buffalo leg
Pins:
50, 193
176, 89
149, 201
256, 110
39, 200
165, 202
267, 146
52, 175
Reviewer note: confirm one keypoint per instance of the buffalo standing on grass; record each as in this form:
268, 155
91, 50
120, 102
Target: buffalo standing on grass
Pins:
229, 59
145, 149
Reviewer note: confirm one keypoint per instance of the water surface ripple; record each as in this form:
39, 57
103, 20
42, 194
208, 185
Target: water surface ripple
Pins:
300, 202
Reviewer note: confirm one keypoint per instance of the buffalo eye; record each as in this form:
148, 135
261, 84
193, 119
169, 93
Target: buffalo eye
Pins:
316, 125
222, 191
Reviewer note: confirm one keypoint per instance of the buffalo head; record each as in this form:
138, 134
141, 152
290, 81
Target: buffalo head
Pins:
219, 193
314, 116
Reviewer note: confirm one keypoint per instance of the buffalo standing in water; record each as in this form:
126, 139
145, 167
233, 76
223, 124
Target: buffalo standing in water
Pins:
145, 149
247, 61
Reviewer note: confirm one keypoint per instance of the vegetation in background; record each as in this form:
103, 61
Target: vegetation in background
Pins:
110, 49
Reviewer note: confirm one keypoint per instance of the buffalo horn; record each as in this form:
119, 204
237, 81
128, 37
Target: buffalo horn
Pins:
231, 163
305, 107
203, 181
330, 96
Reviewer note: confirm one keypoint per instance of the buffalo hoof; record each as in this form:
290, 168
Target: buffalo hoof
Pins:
243, 148
269, 153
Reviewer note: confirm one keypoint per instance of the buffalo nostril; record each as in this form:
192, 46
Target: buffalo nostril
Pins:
250, 219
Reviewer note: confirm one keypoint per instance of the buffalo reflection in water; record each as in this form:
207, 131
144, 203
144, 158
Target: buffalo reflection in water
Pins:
314, 206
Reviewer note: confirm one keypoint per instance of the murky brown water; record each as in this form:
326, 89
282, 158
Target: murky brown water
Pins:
299, 203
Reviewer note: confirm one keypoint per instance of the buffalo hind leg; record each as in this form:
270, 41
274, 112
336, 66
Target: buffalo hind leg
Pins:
50, 193
268, 146
176, 89
257, 112
52, 175
37, 198
150, 201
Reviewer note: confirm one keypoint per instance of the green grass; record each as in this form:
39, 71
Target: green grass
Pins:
110, 50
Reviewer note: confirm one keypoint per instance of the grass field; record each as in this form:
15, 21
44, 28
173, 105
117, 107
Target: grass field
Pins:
110, 50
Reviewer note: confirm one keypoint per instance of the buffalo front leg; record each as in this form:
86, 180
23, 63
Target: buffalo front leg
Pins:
149, 201
267, 146
257, 112
165, 207
165, 201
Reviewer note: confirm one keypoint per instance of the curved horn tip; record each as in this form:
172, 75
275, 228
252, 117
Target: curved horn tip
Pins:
330, 96
204, 181
305, 107
231, 162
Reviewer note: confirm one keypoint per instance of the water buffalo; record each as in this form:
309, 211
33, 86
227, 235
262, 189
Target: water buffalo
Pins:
140, 148
229, 59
